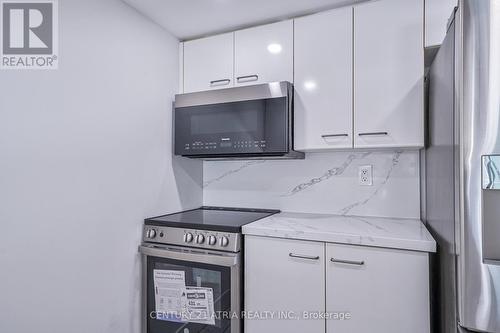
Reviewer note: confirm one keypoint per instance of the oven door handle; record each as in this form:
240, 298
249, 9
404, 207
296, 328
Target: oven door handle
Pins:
223, 259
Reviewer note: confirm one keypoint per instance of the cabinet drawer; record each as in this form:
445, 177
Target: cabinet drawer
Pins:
284, 276
383, 290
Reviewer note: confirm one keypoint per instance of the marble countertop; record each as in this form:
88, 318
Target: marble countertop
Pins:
397, 233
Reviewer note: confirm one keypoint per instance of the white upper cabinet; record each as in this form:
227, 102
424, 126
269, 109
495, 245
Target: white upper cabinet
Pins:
264, 54
384, 290
389, 74
323, 80
437, 14
208, 63
358, 72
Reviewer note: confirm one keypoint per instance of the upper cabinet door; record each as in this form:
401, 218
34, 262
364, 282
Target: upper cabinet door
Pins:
389, 74
323, 80
264, 54
208, 63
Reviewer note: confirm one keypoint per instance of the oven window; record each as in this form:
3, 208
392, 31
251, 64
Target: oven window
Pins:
187, 297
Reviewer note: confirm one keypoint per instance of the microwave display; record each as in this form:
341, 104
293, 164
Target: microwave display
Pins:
244, 117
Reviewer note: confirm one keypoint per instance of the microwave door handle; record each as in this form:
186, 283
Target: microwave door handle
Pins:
226, 260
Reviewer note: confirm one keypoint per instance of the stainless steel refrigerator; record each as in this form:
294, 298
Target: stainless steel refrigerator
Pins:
462, 170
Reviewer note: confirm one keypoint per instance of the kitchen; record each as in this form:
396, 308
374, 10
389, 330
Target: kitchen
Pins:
264, 166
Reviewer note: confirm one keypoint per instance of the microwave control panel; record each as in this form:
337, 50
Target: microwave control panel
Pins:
225, 144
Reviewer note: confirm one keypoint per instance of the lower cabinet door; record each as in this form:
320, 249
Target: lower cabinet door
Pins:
284, 285
376, 290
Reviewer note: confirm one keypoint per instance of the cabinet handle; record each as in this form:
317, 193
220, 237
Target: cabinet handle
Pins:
373, 133
324, 136
226, 81
247, 78
300, 256
347, 262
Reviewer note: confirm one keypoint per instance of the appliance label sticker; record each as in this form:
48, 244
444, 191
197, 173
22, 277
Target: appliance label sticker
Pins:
178, 303
199, 305
170, 291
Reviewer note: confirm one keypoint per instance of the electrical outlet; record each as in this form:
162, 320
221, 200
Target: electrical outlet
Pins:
366, 175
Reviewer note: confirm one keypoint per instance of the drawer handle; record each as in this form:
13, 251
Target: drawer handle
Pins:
300, 256
324, 136
347, 262
247, 78
225, 81
373, 133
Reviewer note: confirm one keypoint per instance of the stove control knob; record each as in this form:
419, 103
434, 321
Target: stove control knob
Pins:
224, 241
212, 240
151, 233
200, 239
188, 237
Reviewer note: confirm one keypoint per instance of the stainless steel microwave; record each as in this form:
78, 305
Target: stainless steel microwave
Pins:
243, 122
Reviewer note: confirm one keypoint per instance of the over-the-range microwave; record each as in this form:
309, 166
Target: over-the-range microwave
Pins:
242, 122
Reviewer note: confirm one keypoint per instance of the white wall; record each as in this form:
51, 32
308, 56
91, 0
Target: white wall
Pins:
322, 183
437, 13
85, 156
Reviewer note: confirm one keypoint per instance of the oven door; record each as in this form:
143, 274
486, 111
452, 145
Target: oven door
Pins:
254, 120
190, 291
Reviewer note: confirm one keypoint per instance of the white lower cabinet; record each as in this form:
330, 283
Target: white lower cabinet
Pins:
359, 289
283, 278
382, 290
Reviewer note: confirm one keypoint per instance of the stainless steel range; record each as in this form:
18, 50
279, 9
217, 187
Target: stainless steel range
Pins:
192, 270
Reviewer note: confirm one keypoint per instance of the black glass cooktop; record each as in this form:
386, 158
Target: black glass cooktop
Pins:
212, 218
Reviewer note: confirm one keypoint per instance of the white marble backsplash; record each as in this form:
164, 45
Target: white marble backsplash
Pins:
322, 183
